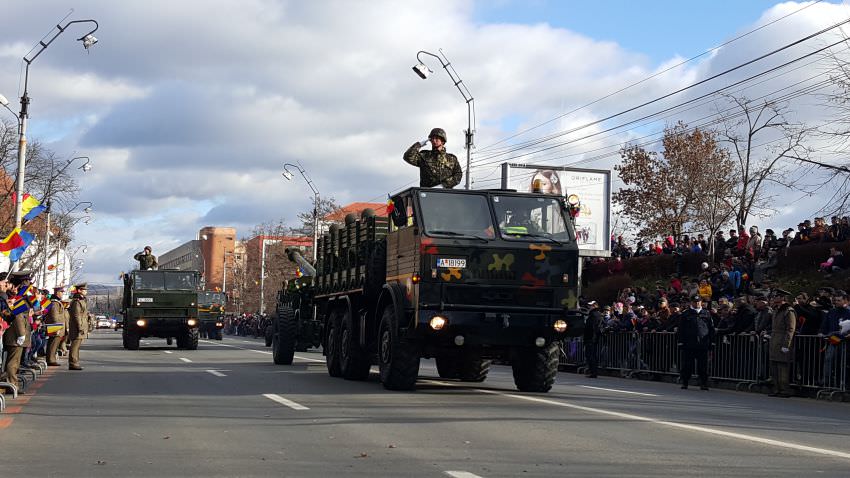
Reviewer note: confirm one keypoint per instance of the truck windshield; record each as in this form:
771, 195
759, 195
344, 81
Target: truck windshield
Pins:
447, 214
162, 280
210, 298
532, 218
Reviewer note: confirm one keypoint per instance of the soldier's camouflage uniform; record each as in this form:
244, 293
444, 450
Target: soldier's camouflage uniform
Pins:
435, 167
146, 261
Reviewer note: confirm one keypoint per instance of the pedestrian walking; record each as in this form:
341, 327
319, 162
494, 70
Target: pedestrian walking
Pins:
695, 337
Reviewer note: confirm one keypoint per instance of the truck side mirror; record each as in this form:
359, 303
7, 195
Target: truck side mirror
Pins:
399, 213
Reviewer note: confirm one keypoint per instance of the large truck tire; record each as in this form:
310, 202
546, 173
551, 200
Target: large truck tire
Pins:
332, 345
269, 334
353, 360
473, 368
283, 342
398, 359
535, 368
192, 339
447, 367
131, 340
169, 341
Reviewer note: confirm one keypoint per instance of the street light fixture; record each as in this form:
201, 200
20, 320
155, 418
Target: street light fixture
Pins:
88, 40
288, 175
423, 71
47, 196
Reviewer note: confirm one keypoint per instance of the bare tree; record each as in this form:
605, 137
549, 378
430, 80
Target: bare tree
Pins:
764, 144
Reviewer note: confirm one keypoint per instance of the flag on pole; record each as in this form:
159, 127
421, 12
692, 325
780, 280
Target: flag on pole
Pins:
30, 207
16, 243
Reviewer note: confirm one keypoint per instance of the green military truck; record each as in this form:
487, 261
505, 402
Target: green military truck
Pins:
161, 303
463, 277
211, 314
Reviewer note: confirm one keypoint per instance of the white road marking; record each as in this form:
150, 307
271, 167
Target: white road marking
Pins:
216, 373
683, 426
309, 359
169, 352
185, 360
283, 401
620, 391
462, 474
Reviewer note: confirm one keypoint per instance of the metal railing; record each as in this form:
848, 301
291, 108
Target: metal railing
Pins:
742, 359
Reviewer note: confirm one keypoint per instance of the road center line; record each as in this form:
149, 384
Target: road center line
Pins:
462, 474
185, 360
283, 401
216, 373
682, 426
620, 391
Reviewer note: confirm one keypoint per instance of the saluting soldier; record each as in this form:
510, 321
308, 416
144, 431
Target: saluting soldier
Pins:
57, 315
147, 261
78, 325
436, 167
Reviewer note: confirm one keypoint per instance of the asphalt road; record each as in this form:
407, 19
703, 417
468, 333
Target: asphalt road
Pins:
227, 410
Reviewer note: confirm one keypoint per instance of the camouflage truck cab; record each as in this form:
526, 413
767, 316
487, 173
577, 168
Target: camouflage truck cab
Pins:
161, 303
463, 277
211, 314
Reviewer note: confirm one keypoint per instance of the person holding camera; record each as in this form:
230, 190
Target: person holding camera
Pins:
436, 167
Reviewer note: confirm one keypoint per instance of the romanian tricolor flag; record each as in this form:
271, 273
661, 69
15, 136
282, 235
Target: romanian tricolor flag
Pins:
16, 243
53, 329
390, 205
20, 306
834, 340
45, 305
30, 207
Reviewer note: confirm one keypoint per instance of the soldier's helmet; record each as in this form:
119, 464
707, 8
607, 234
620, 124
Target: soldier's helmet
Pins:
439, 133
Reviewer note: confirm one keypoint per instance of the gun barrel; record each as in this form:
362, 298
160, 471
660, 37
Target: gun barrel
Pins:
305, 265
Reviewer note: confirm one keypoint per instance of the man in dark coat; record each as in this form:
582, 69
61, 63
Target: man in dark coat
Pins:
784, 323
695, 336
592, 336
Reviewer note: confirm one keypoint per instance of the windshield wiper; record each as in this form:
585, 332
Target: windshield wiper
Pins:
458, 235
538, 236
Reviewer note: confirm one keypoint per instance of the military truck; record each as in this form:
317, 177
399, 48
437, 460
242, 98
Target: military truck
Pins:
161, 303
464, 277
211, 314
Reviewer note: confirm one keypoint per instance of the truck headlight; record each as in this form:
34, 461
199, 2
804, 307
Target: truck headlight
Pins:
438, 322
191, 322
141, 322
560, 326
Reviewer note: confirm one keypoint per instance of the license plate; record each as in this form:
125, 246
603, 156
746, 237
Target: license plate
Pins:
144, 299
451, 263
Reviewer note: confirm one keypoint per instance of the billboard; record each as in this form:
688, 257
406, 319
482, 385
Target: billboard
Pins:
592, 186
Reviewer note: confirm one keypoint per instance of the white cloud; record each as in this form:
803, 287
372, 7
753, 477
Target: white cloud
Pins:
189, 109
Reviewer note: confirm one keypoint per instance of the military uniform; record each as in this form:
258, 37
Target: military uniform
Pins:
20, 326
78, 326
146, 261
436, 166
57, 315
784, 323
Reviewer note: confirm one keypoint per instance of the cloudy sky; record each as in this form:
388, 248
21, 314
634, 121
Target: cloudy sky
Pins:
189, 109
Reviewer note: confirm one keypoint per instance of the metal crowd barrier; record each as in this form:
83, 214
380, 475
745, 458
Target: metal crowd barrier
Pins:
741, 358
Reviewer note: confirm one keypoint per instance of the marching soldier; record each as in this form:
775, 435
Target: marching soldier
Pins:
78, 325
147, 261
57, 315
436, 167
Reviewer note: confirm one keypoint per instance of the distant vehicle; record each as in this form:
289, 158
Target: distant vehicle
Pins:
211, 313
103, 322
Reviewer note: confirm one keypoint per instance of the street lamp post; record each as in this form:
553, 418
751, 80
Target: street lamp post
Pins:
423, 71
88, 41
288, 175
85, 167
